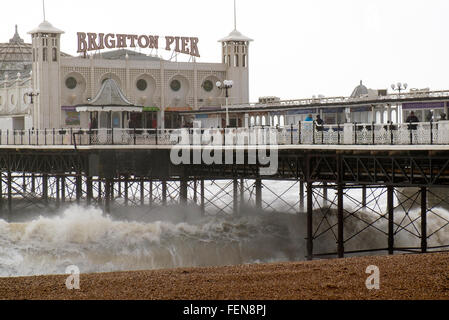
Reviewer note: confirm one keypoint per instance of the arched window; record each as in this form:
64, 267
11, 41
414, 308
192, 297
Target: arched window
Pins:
385, 116
281, 121
264, 120
275, 121
236, 61
378, 117
55, 54
394, 116
252, 121
44, 54
257, 121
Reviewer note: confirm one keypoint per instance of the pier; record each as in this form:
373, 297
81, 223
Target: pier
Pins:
323, 165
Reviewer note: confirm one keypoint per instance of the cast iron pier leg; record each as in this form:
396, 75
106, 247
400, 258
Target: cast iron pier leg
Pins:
89, 190
203, 203
363, 196
309, 221
9, 192
258, 194
301, 196
236, 197
390, 207
341, 247
183, 191
164, 193
107, 196
424, 220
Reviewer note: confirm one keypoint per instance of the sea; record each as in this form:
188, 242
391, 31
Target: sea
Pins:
131, 239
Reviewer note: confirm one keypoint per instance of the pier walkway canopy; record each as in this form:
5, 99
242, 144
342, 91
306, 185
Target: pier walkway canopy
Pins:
110, 108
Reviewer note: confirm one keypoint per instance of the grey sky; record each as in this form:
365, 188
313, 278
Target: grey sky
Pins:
301, 48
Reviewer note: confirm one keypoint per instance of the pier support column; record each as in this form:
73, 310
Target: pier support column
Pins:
259, 194
424, 220
164, 193
126, 190
390, 208
183, 191
142, 191
363, 196
24, 185
325, 194
236, 197
33, 183
79, 187
9, 182
301, 196
89, 190
242, 194
195, 193
107, 197
45, 188
151, 193
309, 221
58, 191
203, 202
340, 215
63, 188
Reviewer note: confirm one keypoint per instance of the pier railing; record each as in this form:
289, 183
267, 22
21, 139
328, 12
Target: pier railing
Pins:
305, 133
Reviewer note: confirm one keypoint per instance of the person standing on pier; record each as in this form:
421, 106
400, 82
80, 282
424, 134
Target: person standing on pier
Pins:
412, 118
319, 123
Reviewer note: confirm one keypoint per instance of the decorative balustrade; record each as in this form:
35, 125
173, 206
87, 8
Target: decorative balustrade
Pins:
306, 133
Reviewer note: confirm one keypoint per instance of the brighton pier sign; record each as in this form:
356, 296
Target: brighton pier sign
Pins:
99, 41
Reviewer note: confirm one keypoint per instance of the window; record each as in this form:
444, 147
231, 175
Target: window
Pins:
244, 61
236, 61
44, 54
55, 54
71, 83
142, 84
229, 60
175, 85
208, 86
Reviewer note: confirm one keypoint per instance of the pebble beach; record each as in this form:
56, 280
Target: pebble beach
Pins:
402, 277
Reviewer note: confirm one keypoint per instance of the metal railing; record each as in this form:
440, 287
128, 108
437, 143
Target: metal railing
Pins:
413, 95
305, 133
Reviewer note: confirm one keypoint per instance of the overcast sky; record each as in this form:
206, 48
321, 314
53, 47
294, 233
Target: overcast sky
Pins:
301, 48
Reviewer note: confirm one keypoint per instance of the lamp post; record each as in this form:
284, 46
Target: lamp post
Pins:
399, 87
32, 95
226, 85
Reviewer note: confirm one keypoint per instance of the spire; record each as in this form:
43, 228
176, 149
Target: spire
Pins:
235, 35
16, 38
235, 15
43, 8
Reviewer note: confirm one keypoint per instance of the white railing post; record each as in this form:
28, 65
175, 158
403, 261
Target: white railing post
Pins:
443, 132
348, 133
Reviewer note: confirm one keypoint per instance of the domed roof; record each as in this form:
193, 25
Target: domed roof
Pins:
46, 27
235, 35
15, 57
359, 91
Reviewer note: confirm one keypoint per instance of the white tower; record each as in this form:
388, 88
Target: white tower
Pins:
235, 55
46, 76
